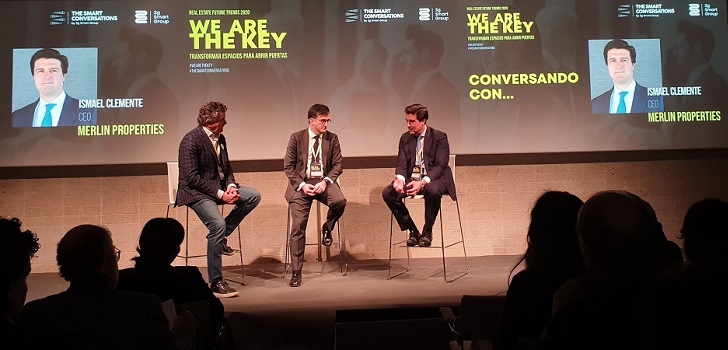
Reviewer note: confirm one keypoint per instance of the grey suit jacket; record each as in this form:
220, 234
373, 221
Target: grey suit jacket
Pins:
294, 162
198, 173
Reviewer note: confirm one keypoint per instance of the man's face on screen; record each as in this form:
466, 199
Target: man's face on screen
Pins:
414, 126
48, 77
410, 57
621, 68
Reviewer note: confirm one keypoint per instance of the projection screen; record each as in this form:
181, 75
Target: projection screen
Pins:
500, 77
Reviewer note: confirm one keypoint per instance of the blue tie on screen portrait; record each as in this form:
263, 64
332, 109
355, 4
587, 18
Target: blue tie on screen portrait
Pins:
622, 107
47, 118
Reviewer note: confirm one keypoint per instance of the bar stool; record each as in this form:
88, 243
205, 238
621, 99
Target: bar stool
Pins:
442, 246
172, 185
343, 261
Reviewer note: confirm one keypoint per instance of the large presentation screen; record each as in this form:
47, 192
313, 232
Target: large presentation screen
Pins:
120, 82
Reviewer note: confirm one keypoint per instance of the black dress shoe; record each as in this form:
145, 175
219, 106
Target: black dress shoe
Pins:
425, 239
226, 250
295, 279
414, 237
326, 235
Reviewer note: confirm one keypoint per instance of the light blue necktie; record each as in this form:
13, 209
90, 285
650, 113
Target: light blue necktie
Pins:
47, 118
622, 107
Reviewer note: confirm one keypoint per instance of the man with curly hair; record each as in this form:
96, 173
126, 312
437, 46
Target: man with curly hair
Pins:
206, 179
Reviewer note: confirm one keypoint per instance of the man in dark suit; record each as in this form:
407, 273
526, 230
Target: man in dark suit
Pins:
626, 96
206, 179
312, 164
91, 308
422, 168
54, 107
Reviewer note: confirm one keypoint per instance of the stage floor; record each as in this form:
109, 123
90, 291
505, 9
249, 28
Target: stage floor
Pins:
270, 315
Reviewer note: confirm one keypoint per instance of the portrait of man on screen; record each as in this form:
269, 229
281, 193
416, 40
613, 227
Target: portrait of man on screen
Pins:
626, 95
52, 106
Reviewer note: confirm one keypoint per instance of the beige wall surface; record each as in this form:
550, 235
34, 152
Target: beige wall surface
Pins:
494, 202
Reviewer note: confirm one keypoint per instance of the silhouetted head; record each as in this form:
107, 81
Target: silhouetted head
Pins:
616, 230
17, 247
86, 254
159, 241
553, 246
705, 231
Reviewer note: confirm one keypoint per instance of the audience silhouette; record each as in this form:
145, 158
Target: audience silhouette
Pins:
551, 258
17, 248
623, 247
159, 244
93, 310
685, 308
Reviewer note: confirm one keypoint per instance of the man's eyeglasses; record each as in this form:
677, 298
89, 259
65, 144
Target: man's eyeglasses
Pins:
118, 253
324, 121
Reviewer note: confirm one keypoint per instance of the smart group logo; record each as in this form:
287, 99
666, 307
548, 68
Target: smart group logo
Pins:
624, 10
141, 16
432, 14
58, 17
702, 10
694, 10
424, 14
150, 17
351, 15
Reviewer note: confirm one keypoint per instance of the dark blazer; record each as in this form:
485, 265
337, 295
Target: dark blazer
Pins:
183, 284
436, 155
198, 175
23, 117
294, 162
600, 104
105, 318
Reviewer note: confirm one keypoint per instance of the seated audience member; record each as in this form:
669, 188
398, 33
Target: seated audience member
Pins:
685, 308
159, 244
94, 310
551, 258
623, 247
17, 247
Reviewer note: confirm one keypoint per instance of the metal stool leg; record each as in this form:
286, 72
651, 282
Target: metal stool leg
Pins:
391, 245
288, 242
461, 241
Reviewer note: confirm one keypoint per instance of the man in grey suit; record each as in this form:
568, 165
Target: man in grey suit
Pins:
422, 168
54, 107
206, 179
312, 164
